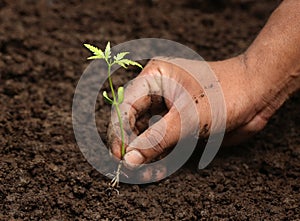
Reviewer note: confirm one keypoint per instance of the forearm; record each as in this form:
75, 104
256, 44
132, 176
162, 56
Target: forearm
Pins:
272, 62
274, 56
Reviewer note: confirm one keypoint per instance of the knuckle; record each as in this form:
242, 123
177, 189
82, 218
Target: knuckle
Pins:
157, 140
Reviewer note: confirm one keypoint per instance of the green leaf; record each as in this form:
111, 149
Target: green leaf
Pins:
106, 98
125, 62
92, 48
120, 95
136, 64
107, 52
121, 55
96, 51
94, 57
121, 64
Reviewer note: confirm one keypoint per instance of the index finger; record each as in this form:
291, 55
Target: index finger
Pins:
138, 99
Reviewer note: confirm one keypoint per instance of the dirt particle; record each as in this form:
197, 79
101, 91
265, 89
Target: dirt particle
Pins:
205, 128
209, 86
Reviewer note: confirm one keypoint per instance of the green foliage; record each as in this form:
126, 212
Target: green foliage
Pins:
98, 53
107, 52
118, 59
126, 62
120, 95
106, 98
121, 55
106, 55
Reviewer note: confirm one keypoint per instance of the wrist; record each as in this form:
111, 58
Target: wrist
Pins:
272, 82
239, 87
272, 78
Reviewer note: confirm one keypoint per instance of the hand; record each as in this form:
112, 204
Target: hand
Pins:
153, 94
255, 84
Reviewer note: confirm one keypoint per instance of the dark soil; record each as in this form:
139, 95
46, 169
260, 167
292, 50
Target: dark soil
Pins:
44, 176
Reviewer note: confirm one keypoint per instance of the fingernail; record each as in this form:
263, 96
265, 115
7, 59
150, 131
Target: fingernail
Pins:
133, 159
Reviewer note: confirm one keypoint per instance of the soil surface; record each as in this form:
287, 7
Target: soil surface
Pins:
43, 174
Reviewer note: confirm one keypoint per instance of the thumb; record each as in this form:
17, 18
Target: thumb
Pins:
153, 142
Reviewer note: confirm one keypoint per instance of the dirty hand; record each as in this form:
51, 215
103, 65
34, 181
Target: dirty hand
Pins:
255, 84
164, 88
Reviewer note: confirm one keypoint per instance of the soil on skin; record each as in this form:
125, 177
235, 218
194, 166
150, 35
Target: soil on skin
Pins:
43, 174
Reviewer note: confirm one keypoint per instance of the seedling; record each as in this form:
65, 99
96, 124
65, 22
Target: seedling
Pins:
116, 100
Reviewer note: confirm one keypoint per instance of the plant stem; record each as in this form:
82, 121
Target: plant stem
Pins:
116, 104
122, 131
110, 82
116, 99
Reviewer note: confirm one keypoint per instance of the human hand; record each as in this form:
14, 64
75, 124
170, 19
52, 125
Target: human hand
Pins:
255, 84
164, 88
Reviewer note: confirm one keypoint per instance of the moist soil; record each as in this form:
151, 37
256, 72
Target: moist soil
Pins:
43, 174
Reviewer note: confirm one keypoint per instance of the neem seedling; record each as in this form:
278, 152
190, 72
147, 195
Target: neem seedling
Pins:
116, 100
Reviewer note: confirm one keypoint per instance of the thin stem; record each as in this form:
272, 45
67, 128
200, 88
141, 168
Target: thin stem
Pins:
116, 104
115, 181
110, 81
122, 130
115, 101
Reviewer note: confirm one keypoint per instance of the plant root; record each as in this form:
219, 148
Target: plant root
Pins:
114, 183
